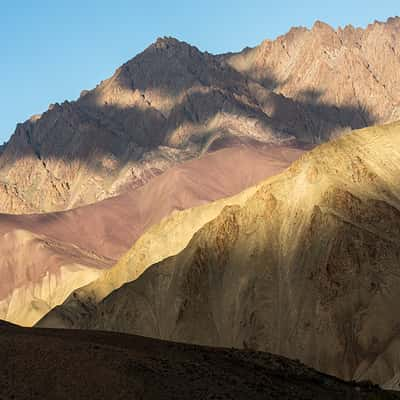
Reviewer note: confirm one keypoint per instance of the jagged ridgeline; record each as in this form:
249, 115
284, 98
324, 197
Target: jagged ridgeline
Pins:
172, 102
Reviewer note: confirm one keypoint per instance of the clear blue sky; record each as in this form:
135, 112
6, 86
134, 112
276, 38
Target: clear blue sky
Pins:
52, 49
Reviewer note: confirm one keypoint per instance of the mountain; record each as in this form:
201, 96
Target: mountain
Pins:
46, 256
332, 69
303, 265
173, 102
99, 365
166, 105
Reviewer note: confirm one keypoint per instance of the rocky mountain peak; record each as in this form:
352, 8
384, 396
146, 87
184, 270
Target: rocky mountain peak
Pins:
172, 101
166, 47
168, 42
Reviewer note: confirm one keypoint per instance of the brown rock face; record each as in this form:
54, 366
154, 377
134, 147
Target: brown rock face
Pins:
173, 102
304, 265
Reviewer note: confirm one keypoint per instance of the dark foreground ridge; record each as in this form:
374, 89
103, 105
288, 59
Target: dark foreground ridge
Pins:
67, 364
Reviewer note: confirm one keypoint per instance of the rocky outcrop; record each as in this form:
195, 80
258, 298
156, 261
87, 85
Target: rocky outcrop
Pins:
304, 265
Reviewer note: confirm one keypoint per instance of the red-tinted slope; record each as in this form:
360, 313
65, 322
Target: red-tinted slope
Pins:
47, 256
109, 227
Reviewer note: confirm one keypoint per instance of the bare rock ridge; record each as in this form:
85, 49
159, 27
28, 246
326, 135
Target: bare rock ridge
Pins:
172, 102
304, 265
98, 365
44, 257
332, 69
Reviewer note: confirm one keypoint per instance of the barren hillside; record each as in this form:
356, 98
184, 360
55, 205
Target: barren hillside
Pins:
304, 265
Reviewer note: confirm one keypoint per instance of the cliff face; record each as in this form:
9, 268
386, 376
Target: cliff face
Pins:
304, 264
173, 102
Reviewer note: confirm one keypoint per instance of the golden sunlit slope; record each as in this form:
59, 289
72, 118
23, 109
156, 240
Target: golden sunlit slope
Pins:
305, 265
44, 257
162, 240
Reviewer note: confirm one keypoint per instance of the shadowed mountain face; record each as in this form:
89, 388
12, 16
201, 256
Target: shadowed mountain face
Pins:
53, 364
44, 257
172, 102
304, 265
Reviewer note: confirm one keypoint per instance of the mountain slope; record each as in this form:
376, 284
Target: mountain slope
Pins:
37, 273
305, 266
162, 240
36, 249
99, 365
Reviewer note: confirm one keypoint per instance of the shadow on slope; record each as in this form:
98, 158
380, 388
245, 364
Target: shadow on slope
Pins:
306, 265
99, 365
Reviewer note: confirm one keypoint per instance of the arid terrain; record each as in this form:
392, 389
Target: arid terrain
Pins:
44, 257
210, 226
319, 241
53, 364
